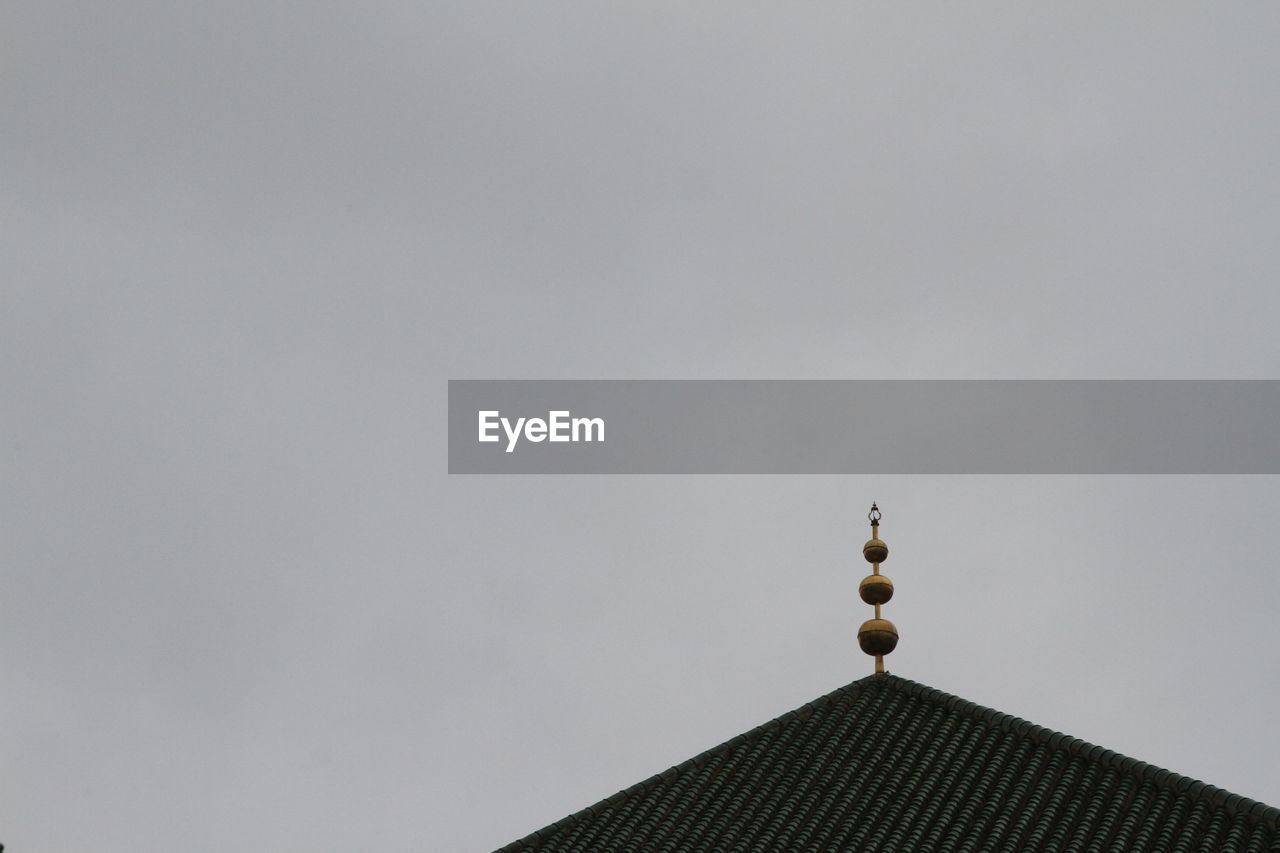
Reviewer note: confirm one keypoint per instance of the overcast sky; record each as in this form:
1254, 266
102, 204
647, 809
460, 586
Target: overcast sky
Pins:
243, 606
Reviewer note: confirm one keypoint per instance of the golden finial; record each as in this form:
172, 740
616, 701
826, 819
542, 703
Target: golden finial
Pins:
876, 636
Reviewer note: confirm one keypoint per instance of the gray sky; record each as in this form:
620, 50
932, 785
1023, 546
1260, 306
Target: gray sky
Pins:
246, 244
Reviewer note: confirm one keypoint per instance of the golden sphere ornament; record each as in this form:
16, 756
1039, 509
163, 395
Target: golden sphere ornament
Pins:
877, 636
875, 589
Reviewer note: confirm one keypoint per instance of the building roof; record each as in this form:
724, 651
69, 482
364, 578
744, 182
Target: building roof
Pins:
886, 764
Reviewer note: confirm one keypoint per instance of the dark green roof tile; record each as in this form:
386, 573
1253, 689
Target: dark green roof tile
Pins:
885, 764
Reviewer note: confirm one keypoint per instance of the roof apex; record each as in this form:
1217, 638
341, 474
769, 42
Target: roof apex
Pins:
886, 732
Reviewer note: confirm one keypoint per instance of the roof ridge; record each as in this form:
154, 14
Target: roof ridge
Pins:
802, 712
1251, 811
1234, 804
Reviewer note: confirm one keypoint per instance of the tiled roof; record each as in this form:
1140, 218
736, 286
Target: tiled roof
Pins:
886, 764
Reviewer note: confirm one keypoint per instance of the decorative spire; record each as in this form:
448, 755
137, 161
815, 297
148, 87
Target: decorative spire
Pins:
876, 636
